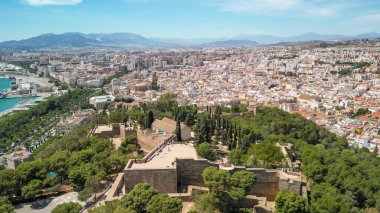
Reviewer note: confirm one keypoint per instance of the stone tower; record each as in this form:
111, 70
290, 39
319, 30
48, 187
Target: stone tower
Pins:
154, 84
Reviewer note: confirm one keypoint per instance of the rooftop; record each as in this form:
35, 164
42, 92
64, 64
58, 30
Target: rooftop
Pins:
167, 125
164, 157
22, 154
103, 128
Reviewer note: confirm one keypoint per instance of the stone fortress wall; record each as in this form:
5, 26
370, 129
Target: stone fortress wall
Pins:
164, 180
188, 172
268, 181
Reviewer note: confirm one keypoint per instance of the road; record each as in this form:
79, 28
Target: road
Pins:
48, 204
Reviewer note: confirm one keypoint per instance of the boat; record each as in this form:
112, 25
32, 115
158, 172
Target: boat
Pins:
2, 94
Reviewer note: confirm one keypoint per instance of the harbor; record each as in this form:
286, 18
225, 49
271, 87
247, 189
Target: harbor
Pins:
22, 91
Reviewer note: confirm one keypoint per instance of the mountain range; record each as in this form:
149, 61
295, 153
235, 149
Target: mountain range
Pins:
83, 40
79, 40
267, 39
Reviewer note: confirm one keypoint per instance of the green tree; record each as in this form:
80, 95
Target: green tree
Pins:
207, 203
58, 163
109, 207
149, 119
138, 198
267, 154
141, 120
239, 183
6, 206
326, 198
235, 108
228, 186
205, 150
129, 145
118, 116
31, 170
360, 112
215, 179
69, 207
117, 161
236, 157
202, 130
85, 194
290, 202
93, 182
167, 102
162, 203
178, 130
31, 190
190, 119
9, 184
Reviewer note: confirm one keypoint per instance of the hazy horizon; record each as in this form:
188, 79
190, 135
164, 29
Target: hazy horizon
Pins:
191, 38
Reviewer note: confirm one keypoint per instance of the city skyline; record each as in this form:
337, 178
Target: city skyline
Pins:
22, 19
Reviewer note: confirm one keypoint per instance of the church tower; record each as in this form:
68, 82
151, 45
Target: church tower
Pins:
154, 84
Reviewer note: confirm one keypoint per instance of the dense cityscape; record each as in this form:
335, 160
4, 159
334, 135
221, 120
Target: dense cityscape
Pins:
336, 87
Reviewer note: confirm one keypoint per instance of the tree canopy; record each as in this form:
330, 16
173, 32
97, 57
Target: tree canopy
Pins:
205, 150
142, 198
163, 203
5, 205
69, 207
290, 202
228, 186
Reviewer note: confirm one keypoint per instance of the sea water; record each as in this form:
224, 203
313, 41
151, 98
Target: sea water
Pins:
8, 103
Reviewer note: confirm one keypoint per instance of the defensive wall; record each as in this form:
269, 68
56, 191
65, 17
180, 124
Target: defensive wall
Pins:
184, 172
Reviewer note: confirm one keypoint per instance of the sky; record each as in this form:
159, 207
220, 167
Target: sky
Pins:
188, 18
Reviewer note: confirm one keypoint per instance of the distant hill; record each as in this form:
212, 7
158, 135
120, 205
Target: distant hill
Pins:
80, 40
267, 39
124, 39
84, 40
52, 40
231, 43
188, 41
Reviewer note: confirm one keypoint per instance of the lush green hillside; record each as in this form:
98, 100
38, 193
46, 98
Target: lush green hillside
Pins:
24, 127
343, 179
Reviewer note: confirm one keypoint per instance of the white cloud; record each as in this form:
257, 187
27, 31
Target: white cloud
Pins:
52, 2
255, 5
368, 18
322, 8
324, 11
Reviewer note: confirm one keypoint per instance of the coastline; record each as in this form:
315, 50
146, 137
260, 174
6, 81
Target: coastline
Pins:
25, 101
22, 105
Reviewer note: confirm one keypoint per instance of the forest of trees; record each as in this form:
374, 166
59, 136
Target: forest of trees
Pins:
342, 179
74, 159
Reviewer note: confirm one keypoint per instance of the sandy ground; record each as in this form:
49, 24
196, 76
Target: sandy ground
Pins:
48, 204
187, 206
116, 143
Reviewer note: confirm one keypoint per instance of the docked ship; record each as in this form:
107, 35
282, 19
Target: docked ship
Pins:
2, 94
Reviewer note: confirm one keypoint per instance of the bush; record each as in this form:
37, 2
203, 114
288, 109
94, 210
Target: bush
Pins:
205, 150
85, 194
6, 206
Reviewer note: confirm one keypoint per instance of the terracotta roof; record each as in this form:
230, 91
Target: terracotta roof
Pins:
167, 125
307, 97
374, 116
